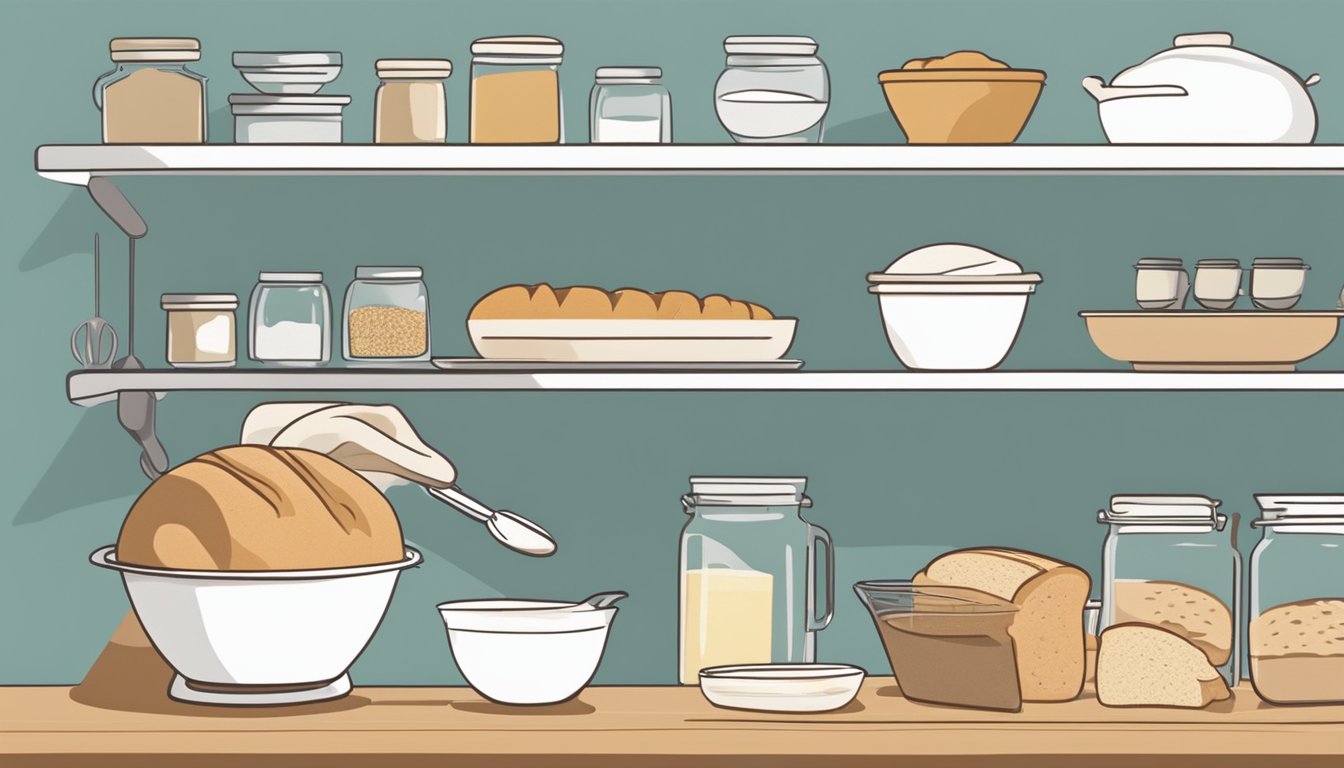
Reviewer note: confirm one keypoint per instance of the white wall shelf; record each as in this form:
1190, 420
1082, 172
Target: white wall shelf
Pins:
90, 387
75, 164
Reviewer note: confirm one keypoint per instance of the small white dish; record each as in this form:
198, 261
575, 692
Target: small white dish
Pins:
782, 687
287, 73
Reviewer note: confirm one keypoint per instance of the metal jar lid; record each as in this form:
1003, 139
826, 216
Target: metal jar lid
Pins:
389, 273
1300, 509
1156, 513
747, 492
628, 73
770, 45
413, 69
289, 277
1156, 263
188, 301
1280, 263
1218, 264
529, 47
155, 49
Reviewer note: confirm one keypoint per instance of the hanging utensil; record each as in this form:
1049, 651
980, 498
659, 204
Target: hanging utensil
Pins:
94, 342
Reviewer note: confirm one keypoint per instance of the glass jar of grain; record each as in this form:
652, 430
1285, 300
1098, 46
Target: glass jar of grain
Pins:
410, 107
202, 330
515, 91
386, 316
151, 97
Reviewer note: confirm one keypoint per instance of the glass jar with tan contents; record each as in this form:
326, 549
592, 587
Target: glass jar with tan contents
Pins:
1172, 562
411, 107
202, 330
1297, 599
515, 91
151, 97
387, 316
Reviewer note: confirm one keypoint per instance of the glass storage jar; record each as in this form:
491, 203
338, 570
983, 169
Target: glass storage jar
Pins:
1296, 632
749, 575
629, 105
411, 106
773, 89
515, 91
1172, 562
387, 315
151, 97
289, 320
201, 329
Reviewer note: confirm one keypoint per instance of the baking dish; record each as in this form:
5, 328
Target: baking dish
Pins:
633, 340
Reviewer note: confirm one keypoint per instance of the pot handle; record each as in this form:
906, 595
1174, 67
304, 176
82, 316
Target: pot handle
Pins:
1097, 88
820, 539
1310, 81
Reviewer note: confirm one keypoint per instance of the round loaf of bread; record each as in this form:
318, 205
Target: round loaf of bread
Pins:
257, 508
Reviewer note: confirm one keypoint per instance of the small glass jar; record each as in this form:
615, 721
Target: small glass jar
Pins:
202, 330
386, 316
1172, 562
629, 105
749, 575
1296, 632
774, 89
151, 97
515, 91
290, 320
1161, 283
411, 106
1217, 283
1277, 283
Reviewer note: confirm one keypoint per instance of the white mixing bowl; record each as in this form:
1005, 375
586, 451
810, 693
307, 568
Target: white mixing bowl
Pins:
526, 651
259, 628
945, 323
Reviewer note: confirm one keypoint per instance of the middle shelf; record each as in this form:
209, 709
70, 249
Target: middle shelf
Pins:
89, 387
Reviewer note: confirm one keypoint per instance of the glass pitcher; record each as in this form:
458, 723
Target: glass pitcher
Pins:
749, 575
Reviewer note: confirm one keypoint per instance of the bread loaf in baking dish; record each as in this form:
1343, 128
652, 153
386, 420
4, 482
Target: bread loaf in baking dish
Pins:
257, 508
581, 302
1047, 631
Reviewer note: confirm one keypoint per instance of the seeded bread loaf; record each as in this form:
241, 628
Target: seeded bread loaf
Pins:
257, 508
580, 302
1297, 652
1048, 629
1140, 665
1188, 611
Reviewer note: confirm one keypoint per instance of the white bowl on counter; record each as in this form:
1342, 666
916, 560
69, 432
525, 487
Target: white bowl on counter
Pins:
782, 687
227, 632
526, 651
950, 323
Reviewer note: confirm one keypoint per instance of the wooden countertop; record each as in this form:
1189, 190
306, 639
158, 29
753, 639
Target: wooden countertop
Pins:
661, 726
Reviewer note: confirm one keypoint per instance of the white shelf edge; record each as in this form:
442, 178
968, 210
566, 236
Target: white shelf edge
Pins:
90, 387
74, 164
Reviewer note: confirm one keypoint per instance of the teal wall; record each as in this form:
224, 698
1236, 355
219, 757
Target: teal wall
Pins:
896, 477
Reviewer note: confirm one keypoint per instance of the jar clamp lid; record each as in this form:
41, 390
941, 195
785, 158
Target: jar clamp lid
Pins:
389, 273
150, 49
770, 45
290, 277
746, 492
1153, 513
1295, 509
199, 301
413, 69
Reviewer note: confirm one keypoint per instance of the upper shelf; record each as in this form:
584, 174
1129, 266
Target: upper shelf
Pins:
92, 387
75, 164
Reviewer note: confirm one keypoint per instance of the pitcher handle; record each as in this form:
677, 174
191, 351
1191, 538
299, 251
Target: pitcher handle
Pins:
820, 539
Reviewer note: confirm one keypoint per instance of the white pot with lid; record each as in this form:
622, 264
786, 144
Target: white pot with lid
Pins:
1205, 91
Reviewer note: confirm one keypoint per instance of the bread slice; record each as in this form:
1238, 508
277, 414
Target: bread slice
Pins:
1139, 665
1048, 629
1190, 612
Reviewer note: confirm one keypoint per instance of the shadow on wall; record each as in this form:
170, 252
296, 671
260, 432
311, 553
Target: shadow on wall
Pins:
100, 476
66, 234
873, 129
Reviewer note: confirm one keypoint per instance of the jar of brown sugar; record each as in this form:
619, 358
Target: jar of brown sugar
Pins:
151, 97
411, 107
387, 316
515, 91
202, 330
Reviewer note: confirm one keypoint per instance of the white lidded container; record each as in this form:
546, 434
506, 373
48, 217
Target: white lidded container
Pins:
263, 118
952, 307
1161, 283
773, 89
289, 320
629, 105
1278, 283
1217, 283
202, 330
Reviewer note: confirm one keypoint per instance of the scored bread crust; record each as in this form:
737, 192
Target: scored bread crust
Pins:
582, 302
1047, 631
257, 508
1141, 665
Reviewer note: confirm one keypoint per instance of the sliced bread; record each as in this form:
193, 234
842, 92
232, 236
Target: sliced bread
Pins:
1048, 629
1139, 665
1190, 612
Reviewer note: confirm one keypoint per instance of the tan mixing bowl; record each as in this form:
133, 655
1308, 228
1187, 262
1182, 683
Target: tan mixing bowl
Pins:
962, 106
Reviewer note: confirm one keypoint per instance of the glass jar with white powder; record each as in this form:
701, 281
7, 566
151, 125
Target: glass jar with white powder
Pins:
201, 329
773, 89
290, 320
629, 105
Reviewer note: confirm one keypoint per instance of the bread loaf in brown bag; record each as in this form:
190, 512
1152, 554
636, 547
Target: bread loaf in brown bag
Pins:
256, 508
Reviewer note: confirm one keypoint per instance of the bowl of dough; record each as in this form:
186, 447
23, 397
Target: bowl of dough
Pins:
964, 97
260, 574
952, 306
